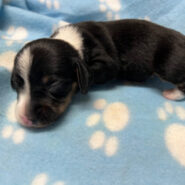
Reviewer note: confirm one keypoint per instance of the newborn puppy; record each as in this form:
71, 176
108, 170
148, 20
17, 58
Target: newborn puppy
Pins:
47, 72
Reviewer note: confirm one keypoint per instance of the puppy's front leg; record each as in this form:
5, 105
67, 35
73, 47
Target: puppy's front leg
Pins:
104, 69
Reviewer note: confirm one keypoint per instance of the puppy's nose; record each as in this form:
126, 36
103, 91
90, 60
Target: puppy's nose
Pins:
26, 122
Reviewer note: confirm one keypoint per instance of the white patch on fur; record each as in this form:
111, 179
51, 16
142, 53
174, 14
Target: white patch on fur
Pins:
25, 60
22, 105
174, 94
71, 35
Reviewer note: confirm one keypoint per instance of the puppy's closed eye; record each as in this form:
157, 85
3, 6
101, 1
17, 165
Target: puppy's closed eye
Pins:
59, 89
49, 80
56, 87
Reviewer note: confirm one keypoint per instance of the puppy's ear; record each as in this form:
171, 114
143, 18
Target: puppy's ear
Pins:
82, 75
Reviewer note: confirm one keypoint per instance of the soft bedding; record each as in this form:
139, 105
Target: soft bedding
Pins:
118, 134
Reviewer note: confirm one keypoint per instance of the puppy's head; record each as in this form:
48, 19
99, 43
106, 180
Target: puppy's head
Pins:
45, 75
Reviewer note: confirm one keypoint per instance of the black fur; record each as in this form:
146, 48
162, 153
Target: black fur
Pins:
126, 49
133, 50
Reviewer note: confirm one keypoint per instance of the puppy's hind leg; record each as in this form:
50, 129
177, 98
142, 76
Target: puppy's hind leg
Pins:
176, 93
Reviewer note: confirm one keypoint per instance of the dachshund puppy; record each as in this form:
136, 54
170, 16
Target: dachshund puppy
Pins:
48, 71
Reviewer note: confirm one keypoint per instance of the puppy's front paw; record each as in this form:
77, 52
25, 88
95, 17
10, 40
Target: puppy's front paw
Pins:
174, 94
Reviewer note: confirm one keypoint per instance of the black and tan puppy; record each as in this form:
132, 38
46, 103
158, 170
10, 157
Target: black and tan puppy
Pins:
47, 72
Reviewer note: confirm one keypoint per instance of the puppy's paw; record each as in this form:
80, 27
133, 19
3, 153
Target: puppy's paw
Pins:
174, 94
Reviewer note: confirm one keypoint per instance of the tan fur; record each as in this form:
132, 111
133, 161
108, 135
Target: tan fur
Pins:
67, 100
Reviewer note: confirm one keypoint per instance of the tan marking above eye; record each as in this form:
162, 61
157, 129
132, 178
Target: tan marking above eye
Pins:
45, 79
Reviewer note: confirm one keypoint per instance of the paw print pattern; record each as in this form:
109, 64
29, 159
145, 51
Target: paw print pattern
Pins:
42, 179
111, 8
51, 3
15, 35
175, 132
163, 111
9, 132
6, 60
17, 136
115, 117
